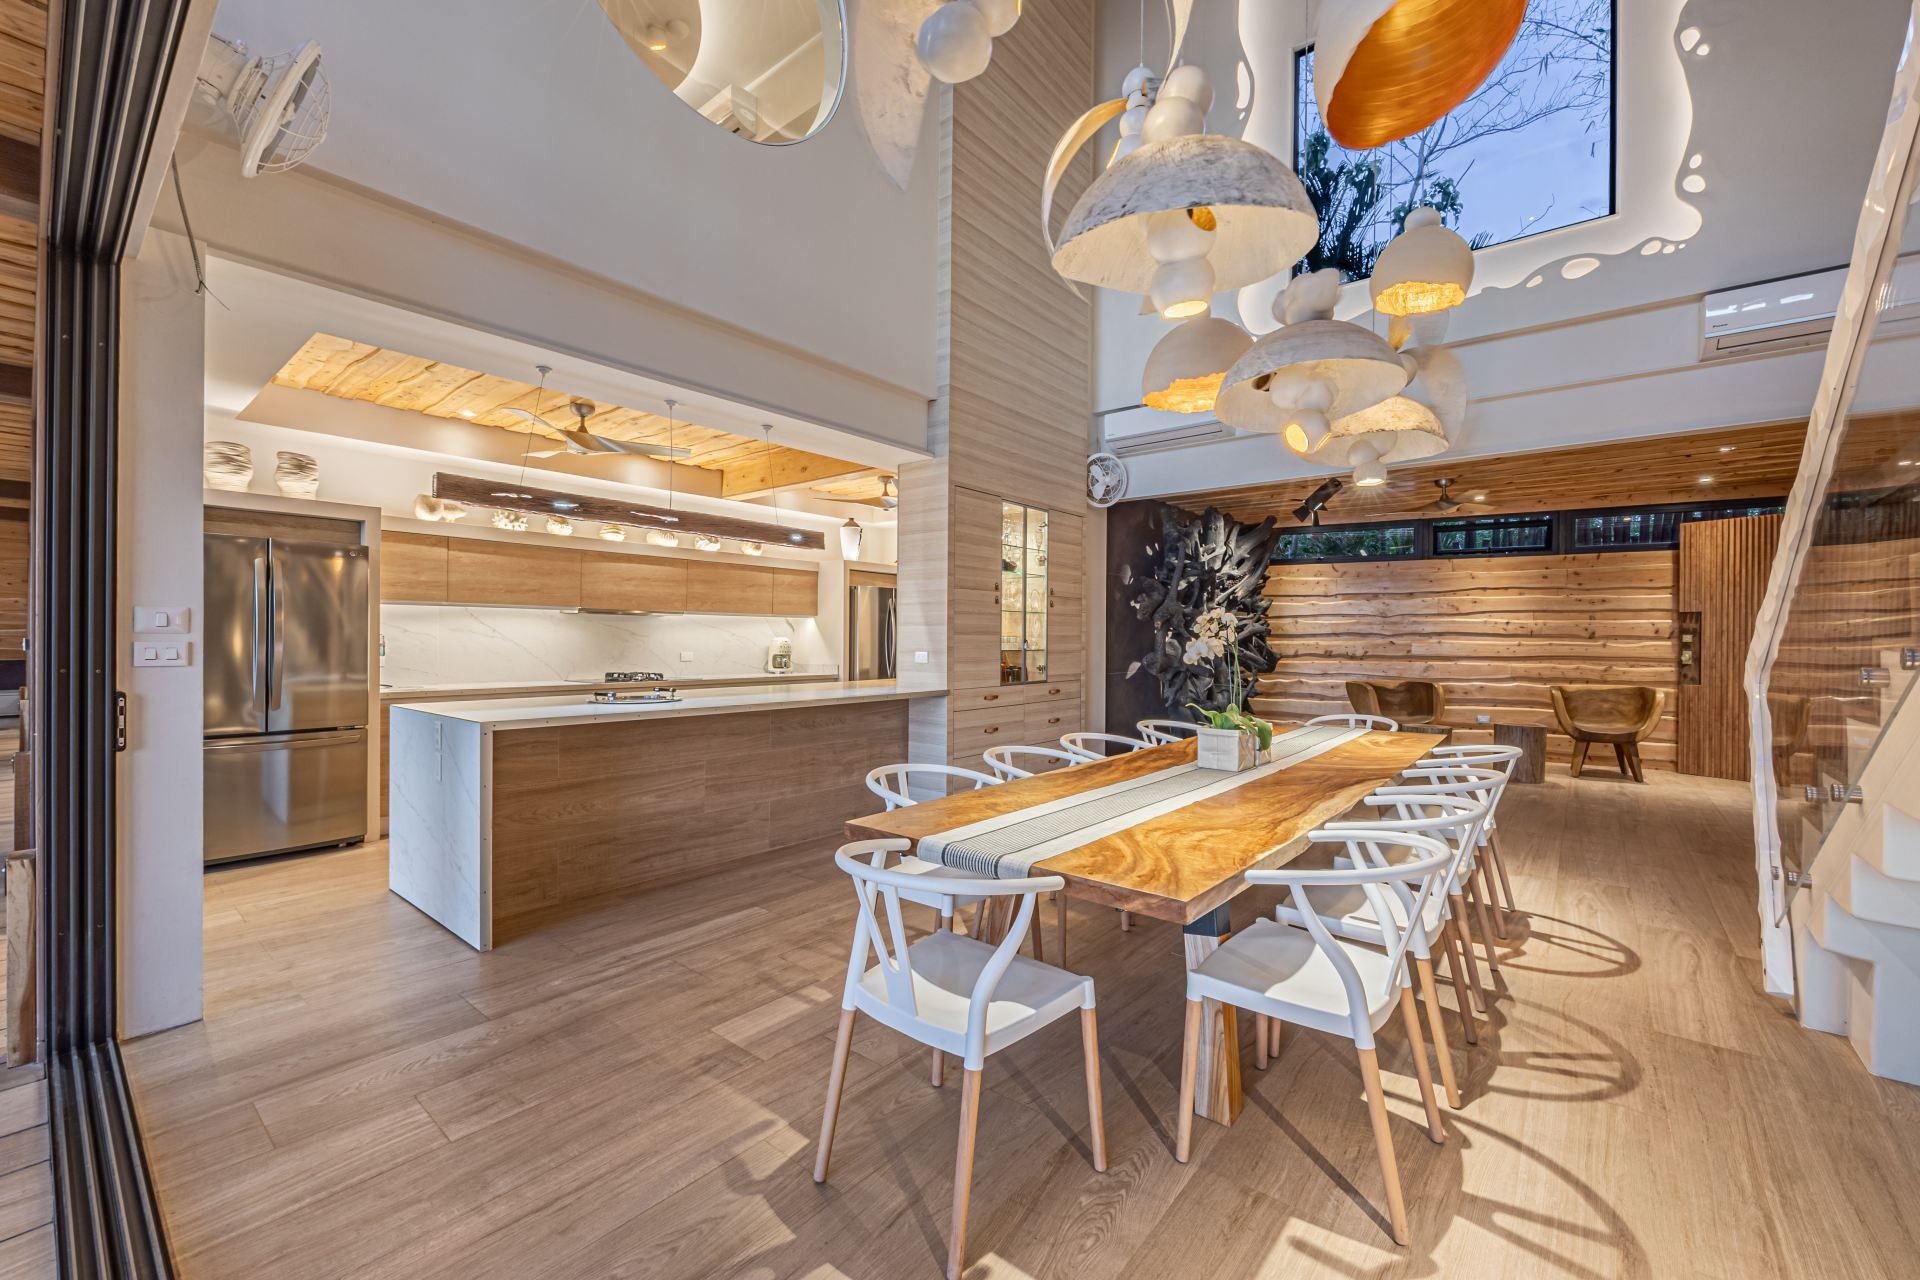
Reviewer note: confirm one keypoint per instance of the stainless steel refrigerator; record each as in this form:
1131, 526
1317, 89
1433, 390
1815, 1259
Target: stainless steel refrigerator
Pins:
872, 634
287, 689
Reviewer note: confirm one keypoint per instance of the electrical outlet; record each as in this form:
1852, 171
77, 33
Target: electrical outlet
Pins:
1483, 719
686, 657
921, 656
150, 619
162, 653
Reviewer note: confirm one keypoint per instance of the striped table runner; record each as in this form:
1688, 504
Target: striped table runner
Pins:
1007, 846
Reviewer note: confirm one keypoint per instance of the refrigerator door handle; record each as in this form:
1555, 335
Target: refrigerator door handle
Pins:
275, 673
258, 676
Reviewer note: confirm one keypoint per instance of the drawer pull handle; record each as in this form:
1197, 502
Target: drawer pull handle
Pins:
993, 728
1054, 720
991, 697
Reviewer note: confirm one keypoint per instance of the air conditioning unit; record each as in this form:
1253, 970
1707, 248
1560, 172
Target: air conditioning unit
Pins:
1793, 314
1142, 430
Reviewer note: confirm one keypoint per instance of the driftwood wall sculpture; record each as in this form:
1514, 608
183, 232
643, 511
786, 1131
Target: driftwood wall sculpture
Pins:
1202, 562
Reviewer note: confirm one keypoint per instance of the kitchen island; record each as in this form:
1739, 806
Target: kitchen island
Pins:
505, 812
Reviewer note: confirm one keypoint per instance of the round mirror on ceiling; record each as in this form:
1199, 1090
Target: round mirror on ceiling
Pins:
770, 71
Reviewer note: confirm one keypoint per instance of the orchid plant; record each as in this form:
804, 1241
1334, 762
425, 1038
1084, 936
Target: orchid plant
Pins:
1216, 635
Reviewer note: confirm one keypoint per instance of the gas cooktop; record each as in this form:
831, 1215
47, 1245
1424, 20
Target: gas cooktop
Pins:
633, 677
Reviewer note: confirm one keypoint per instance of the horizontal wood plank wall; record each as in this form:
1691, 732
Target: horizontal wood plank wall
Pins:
1723, 569
15, 538
586, 810
1496, 632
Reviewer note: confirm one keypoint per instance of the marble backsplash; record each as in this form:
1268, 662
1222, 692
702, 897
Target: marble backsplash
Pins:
431, 644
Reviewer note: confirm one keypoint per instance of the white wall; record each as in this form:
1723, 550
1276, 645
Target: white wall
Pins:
536, 124
159, 783
1613, 353
437, 644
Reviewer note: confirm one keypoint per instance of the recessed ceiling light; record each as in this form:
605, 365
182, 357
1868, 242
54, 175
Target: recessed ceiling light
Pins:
466, 413
1706, 479
1479, 497
1728, 448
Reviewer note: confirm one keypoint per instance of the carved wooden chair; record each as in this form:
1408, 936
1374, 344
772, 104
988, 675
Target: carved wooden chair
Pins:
1623, 715
1410, 702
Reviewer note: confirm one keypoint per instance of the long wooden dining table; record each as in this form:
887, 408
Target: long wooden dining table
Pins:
1183, 866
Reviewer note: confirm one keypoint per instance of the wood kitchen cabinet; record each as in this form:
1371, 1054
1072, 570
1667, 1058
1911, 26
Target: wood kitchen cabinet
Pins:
637, 584
413, 567
487, 572
722, 587
796, 593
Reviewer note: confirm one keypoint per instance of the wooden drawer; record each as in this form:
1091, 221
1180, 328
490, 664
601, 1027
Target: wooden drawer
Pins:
1054, 691
999, 695
1046, 721
975, 731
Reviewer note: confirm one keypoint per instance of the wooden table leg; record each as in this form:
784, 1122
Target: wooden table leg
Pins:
1217, 1094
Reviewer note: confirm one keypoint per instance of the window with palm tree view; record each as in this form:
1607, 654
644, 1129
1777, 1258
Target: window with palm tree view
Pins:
1530, 151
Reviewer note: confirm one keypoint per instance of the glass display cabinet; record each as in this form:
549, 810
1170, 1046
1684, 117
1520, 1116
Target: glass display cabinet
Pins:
1023, 593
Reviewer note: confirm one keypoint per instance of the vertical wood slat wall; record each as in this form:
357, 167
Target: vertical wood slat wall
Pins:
1496, 632
1723, 568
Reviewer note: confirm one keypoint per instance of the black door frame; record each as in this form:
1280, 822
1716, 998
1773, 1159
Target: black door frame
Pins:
108, 65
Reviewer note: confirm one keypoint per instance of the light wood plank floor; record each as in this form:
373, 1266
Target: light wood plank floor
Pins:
635, 1092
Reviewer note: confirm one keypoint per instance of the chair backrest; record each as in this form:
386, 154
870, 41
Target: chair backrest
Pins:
894, 782
1479, 755
1455, 815
1409, 701
1162, 731
1607, 708
1002, 760
1093, 746
1424, 865
1358, 720
878, 892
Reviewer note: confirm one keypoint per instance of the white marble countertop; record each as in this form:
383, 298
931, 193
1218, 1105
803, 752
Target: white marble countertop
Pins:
534, 713
531, 688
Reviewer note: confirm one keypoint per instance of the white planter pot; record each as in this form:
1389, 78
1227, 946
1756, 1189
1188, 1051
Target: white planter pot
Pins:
1227, 749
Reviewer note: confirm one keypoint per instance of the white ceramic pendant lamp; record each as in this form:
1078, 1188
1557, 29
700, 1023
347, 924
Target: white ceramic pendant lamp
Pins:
955, 41
1385, 69
1185, 372
1427, 268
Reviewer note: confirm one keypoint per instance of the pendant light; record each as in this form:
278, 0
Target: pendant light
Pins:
1187, 367
613, 533
1384, 69
560, 526
1428, 267
850, 535
955, 42
1414, 424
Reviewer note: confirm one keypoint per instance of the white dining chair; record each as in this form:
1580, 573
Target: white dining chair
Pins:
1462, 892
1484, 755
1358, 720
894, 784
1348, 913
1011, 762
955, 995
1312, 978
1093, 746
1164, 731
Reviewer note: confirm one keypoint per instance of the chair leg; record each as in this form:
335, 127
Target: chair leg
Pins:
939, 1076
963, 1173
1477, 886
1262, 1040
1278, 1029
1464, 932
1633, 759
1410, 1018
1620, 754
1096, 1113
1126, 922
1442, 1051
1500, 867
1383, 1139
836, 1077
1579, 757
1189, 1067
1450, 949
1060, 907
1488, 893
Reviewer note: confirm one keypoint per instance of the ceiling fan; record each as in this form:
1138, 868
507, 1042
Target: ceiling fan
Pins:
583, 443
886, 494
1446, 502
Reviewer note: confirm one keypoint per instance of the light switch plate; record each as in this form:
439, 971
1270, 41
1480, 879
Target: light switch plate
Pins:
1483, 719
686, 657
162, 619
920, 655
162, 653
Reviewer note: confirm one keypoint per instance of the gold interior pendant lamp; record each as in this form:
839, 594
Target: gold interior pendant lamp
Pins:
1384, 69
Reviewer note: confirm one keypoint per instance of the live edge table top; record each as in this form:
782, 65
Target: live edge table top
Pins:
1181, 865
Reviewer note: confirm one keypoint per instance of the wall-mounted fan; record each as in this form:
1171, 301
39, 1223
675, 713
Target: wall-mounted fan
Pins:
280, 106
1446, 503
582, 443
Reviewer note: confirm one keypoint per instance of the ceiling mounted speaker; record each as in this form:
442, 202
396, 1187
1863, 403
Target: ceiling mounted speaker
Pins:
1384, 69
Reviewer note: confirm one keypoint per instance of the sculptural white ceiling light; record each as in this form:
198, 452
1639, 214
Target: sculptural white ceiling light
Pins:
1413, 424
1184, 373
1296, 381
1428, 267
955, 41
1385, 69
